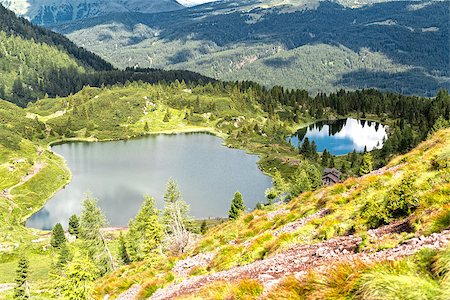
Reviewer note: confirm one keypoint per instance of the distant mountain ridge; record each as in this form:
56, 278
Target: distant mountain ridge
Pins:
316, 45
47, 12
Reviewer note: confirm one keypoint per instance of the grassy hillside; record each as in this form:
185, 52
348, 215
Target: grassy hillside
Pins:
411, 194
318, 46
31, 173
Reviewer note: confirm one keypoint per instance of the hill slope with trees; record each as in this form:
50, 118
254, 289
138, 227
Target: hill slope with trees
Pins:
35, 62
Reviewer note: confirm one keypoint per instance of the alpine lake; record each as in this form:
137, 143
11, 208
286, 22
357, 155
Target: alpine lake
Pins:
119, 173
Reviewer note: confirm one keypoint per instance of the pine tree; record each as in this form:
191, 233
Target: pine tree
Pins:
123, 253
325, 155
74, 226
314, 155
343, 168
78, 279
176, 219
237, 207
331, 163
58, 237
353, 158
203, 227
145, 232
305, 148
366, 164
153, 235
92, 220
21, 290
64, 257
146, 127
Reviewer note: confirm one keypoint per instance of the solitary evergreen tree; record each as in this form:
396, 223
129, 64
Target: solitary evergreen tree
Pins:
203, 227
366, 164
237, 207
21, 291
123, 253
74, 225
146, 127
58, 237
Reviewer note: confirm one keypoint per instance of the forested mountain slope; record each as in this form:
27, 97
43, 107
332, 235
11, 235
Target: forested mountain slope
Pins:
320, 46
35, 62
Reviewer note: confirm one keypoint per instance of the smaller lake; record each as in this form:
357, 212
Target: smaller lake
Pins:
342, 136
119, 173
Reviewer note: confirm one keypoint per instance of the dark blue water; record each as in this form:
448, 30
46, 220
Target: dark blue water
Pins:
120, 173
342, 136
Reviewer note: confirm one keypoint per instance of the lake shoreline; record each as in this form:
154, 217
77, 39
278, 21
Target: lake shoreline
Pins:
252, 197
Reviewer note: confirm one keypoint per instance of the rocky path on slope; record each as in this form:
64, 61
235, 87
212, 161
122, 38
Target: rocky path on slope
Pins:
302, 258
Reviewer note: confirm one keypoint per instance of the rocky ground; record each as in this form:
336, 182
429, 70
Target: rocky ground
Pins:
300, 259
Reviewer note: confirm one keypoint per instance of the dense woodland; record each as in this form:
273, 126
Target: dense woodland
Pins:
35, 62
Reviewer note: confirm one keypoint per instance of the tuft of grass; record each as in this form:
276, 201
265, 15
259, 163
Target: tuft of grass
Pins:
245, 289
399, 280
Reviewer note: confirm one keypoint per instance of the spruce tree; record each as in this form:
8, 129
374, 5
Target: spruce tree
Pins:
92, 220
79, 277
176, 219
366, 164
325, 155
331, 163
153, 235
146, 127
58, 237
123, 253
314, 154
353, 158
305, 148
21, 290
74, 226
237, 207
145, 232
64, 257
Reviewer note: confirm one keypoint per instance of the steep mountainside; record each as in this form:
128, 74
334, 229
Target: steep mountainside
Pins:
35, 61
47, 12
353, 236
316, 45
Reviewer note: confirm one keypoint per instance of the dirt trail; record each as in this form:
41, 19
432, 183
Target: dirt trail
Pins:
36, 169
301, 258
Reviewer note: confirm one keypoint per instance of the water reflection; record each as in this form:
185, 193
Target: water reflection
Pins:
342, 136
120, 173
